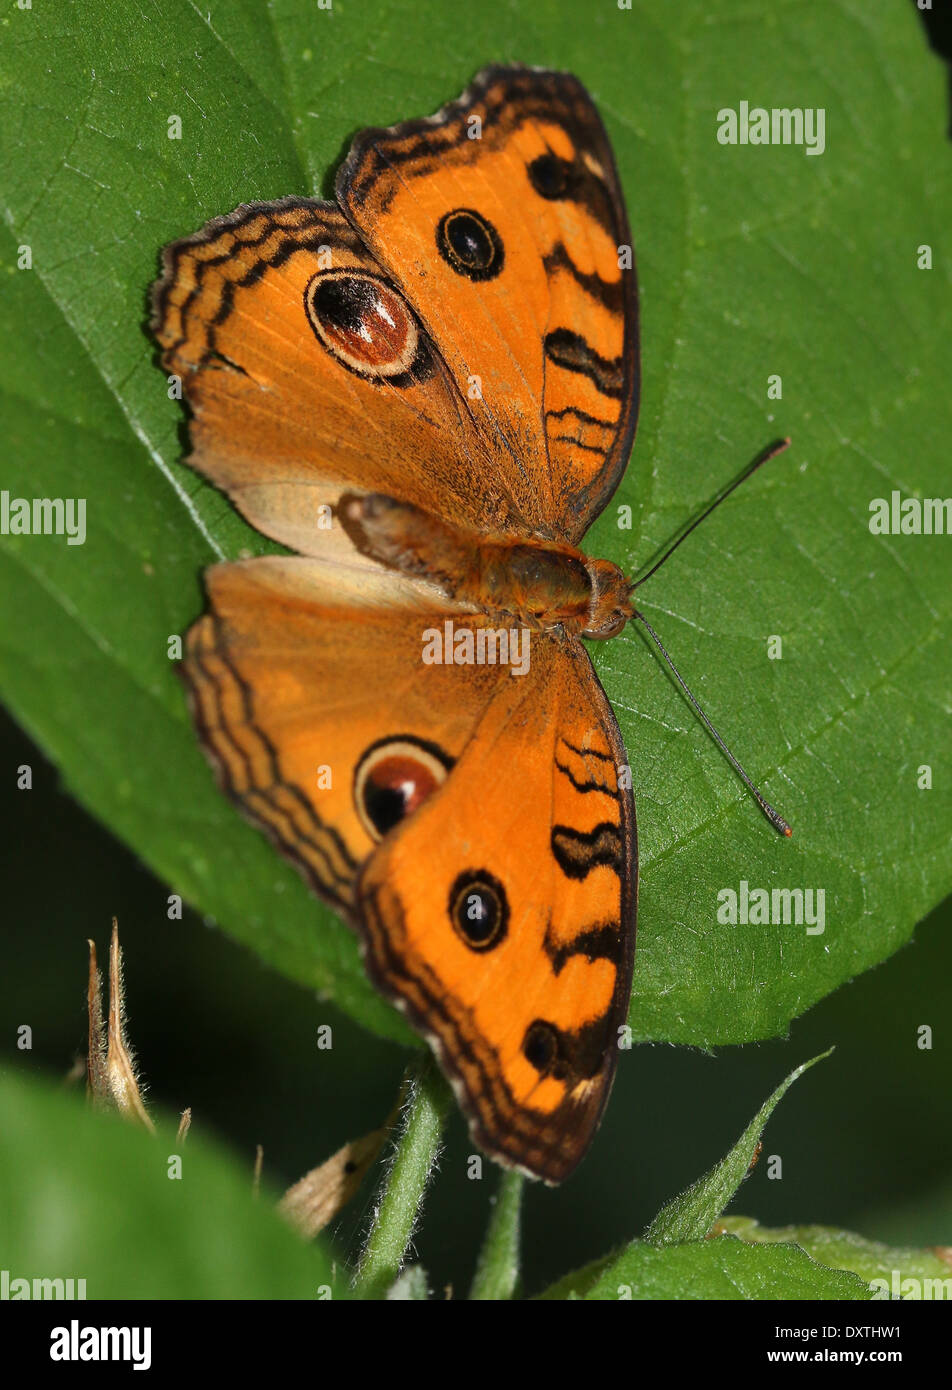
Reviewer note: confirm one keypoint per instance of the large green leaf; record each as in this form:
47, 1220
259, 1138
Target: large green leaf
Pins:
87, 1196
753, 261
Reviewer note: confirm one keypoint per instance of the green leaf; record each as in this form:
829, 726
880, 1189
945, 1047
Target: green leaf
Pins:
691, 1214
85, 1195
721, 1268
753, 261
899, 1271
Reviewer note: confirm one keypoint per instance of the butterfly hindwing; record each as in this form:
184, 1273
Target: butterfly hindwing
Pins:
284, 677
525, 805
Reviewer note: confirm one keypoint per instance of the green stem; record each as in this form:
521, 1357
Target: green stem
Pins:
396, 1215
498, 1267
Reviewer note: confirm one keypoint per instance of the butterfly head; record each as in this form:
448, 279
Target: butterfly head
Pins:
610, 607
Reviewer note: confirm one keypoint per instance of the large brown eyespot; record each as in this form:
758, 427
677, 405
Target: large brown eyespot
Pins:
362, 322
470, 244
393, 778
479, 909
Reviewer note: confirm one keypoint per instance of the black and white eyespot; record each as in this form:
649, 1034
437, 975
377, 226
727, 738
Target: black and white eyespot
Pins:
364, 323
470, 244
479, 909
393, 778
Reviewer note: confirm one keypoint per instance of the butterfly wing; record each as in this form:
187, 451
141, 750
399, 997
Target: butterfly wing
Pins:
299, 669
310, 698
307, 373
502, 220
501, 916
464, 339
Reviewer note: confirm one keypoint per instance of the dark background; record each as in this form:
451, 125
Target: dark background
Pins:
865, 1138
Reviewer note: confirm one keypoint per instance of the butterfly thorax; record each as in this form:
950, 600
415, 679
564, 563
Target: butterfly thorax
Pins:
540, 583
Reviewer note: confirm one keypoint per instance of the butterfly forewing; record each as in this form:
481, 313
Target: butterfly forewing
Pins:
307, 374
502, 219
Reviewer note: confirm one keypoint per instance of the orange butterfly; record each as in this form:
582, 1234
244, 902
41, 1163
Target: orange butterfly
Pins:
429, 391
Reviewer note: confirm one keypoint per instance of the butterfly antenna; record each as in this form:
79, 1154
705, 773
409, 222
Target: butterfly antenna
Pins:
775, 818
761, 459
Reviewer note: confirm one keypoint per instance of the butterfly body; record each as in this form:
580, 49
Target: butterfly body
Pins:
427, 391
542, 584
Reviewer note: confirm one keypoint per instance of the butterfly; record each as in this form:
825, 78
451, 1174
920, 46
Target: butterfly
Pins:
428, 390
